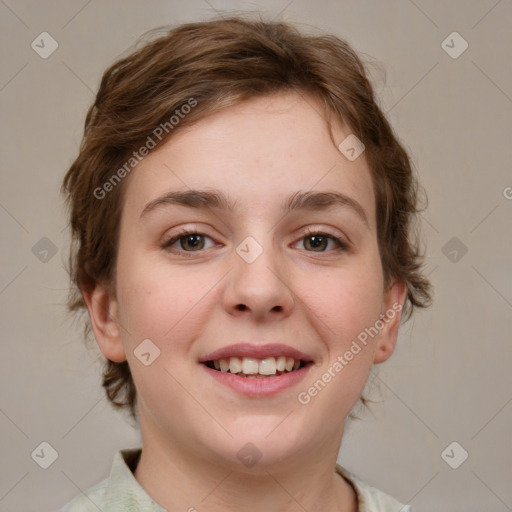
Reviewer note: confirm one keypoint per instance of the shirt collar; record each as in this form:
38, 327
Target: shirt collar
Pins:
356, 485
123, 492
369, 498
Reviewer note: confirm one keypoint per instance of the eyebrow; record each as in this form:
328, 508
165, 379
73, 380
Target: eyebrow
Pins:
204, 199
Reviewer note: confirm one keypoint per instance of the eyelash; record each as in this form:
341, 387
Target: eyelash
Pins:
340, 243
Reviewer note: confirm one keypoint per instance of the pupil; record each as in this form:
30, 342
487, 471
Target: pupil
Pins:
318, 239
195, 240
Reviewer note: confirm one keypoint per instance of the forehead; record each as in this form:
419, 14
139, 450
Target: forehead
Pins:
258, 153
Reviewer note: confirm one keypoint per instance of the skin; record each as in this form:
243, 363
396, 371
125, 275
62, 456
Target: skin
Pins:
258, 153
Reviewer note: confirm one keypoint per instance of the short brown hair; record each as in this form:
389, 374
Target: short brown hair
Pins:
220, 63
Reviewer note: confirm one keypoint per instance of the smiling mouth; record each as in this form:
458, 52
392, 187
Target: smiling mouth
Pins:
249, 367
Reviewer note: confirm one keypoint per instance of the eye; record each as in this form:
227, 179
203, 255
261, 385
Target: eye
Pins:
318, 241
189, 241
193, 241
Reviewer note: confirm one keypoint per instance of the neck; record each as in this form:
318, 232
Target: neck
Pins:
179, 480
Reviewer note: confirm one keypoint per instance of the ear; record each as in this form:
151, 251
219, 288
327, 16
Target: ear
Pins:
391, 313
103, 312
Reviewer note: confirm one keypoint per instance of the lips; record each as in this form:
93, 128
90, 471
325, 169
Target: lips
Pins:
257, 370
257, 386
259, 352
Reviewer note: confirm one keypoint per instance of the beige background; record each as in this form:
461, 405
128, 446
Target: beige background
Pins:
449, 379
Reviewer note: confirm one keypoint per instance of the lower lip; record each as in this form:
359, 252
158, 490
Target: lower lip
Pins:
258, 387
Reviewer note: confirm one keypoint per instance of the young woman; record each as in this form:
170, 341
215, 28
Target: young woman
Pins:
241, 216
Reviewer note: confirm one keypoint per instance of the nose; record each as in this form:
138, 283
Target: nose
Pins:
260, 287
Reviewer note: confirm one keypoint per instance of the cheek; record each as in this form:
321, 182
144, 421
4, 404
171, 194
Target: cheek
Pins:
346, 301
162, 303
345, 305
151, 302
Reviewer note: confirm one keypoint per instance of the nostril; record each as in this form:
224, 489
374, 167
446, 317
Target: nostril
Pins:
241, 307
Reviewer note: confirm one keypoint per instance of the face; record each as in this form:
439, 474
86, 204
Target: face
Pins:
308, 278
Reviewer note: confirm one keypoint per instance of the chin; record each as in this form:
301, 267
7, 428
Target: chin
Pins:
261, 443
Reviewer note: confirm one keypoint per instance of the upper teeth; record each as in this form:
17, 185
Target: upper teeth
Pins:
251, 366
